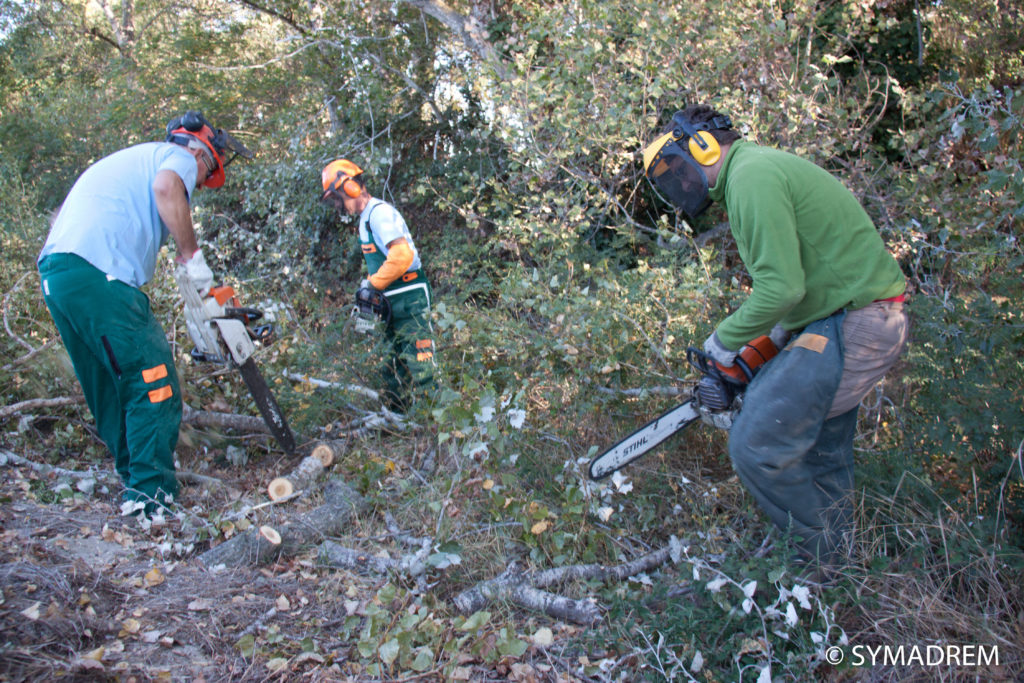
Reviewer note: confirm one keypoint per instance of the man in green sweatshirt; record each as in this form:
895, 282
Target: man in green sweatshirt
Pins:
821, 277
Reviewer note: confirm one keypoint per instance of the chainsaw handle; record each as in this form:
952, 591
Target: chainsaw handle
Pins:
243, 313
739, 374
748, 361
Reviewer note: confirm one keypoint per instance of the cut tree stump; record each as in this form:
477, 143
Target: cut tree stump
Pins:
303, 476
341, 504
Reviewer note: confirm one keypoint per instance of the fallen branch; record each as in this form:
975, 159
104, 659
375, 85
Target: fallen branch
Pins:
341, 505
28, 356
323, 384
205, 418
184, 476
524, 589
368, 423
37, 403
339, 557
6, 457
7, 325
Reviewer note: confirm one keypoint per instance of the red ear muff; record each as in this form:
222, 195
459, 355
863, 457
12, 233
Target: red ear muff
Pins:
351, 188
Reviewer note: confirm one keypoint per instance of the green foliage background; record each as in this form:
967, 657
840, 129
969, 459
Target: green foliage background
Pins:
560, 273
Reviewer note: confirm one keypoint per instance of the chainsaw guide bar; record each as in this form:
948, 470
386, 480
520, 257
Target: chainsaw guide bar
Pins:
644, 439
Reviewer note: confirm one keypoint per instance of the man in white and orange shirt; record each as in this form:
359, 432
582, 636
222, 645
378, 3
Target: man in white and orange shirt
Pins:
394, 269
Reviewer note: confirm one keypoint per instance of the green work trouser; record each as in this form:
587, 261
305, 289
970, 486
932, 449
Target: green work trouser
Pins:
126, 370
797, 463
408, 369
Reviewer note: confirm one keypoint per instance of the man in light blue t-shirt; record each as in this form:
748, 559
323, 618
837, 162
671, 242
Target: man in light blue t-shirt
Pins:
101, 249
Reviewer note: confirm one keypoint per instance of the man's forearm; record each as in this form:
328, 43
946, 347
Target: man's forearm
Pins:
172, 205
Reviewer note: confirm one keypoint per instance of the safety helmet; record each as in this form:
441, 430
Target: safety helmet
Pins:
675, 161
194, 125
337, 177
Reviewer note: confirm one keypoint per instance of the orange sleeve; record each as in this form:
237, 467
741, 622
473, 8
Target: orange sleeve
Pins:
399, 259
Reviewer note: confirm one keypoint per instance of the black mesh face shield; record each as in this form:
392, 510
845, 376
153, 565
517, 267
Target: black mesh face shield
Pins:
677, 175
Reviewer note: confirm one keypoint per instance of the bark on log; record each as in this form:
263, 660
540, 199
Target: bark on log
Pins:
340, 557
524, 589
341, 504
302, 477
206, 418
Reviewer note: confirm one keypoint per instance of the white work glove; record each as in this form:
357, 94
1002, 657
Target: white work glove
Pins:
714, 348
778, 336
366, 283
199, 272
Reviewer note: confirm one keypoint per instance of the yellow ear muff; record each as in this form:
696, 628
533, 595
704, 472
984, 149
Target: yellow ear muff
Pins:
704, 148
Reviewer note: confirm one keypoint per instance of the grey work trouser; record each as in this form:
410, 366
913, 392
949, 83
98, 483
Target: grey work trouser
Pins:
792, 444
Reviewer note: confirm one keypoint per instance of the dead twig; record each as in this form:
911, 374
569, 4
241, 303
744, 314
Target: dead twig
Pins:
8, 458
28, 356
7, 324
36, 403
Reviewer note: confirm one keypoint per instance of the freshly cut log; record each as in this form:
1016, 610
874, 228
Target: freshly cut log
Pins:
303, 476
341, 505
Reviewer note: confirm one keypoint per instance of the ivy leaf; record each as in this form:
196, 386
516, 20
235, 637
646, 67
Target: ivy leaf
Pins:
246, 645
389, 651
802, 593
424, 659
475, 621
791, 618
510, 646
715, 585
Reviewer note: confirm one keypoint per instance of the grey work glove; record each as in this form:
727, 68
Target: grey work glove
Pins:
779, 336
199, 272
714, 348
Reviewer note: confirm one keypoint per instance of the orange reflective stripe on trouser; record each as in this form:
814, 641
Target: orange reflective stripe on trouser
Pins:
421, 354
153, 374
161, 394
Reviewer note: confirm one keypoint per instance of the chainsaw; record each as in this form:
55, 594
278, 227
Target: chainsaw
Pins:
222, 332
716, 400
371, 311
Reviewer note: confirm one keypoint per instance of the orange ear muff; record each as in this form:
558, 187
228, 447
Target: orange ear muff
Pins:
351, 188
704, 148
